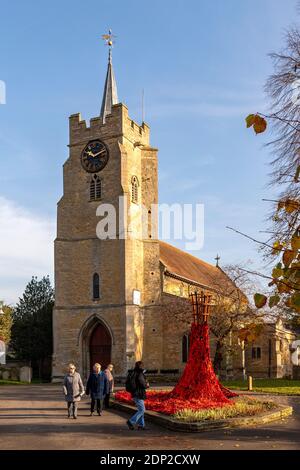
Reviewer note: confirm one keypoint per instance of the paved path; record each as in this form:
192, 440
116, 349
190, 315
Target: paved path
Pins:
34, 417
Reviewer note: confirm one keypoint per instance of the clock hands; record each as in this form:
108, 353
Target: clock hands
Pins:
94, 155
101, 151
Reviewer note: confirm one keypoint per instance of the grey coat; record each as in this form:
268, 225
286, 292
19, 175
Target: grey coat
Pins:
73, 387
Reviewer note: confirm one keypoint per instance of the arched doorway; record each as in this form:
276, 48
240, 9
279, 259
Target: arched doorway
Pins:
100, 346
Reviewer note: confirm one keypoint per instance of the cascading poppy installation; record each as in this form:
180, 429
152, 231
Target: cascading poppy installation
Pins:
198, 387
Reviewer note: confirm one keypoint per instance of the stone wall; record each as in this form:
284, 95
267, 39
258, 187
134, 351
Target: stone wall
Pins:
124, 265
275, 356
16, 371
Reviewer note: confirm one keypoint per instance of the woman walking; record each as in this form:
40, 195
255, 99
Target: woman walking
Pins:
73, 390
110, 380
97, 386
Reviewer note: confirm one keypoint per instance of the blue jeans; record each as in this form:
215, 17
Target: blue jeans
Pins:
138, 417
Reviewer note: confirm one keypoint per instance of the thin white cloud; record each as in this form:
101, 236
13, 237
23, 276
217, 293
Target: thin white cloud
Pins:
26, 248
206, 101
204, 109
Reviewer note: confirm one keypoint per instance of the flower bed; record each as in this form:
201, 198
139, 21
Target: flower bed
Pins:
242, 407
163, 402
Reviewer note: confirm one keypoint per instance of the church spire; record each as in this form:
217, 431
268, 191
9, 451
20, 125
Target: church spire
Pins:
110, 94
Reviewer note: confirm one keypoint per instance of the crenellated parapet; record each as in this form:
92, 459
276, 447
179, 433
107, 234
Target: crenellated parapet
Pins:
117, 124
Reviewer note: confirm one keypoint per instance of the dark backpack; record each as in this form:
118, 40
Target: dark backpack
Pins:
130, 384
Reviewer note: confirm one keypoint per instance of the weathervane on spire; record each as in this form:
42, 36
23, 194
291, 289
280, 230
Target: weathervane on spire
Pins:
110, 94
109, 40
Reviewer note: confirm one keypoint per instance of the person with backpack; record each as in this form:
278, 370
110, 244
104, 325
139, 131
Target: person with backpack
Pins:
137, 384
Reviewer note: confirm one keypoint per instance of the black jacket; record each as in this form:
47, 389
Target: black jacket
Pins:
141, 384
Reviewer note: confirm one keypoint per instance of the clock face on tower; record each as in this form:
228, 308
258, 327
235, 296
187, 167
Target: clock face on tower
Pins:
94, 156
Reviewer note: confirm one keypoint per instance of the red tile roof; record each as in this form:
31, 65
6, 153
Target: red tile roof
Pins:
190, 267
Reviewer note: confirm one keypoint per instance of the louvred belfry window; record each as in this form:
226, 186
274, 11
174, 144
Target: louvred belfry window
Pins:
95, 188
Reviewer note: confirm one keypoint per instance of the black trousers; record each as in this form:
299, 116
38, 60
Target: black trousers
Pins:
99, 404
106, 400
72, 408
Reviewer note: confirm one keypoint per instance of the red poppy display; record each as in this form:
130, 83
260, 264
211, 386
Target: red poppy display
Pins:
198, 387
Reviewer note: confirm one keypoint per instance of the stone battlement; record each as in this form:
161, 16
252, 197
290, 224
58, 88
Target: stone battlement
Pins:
117, 123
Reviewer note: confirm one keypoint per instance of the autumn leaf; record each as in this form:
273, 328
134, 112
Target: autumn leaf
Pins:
295, 301
291, 275
277, 246
260, 300
277, 272
250, 120
288, 257
295, 242
283, 287
260, 124
274, 300
291, 205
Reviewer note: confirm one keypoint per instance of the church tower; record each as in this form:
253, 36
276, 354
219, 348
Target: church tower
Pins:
107, 287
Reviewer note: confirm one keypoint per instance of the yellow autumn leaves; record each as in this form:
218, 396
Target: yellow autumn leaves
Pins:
286, 274
258, 123
290, 205
250, 332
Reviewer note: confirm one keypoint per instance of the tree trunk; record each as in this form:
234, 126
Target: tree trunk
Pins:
40, 368
218, 357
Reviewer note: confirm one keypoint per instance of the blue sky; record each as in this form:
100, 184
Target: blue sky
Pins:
202, 65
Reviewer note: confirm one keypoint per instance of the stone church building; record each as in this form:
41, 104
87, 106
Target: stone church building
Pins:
114, 297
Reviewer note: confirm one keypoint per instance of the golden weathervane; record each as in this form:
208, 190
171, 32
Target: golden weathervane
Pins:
109, 39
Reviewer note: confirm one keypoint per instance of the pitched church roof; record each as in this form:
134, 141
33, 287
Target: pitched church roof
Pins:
110, 94
181, 264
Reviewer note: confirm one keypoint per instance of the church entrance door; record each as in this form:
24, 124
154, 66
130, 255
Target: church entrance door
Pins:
100, 346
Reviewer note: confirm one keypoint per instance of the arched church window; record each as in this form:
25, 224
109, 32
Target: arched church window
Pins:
134, 189
185, 347
95, 188
96, 286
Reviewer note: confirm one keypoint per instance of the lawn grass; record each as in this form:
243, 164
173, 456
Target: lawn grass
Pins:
276, 386
242, 407
12, 382
17, 382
